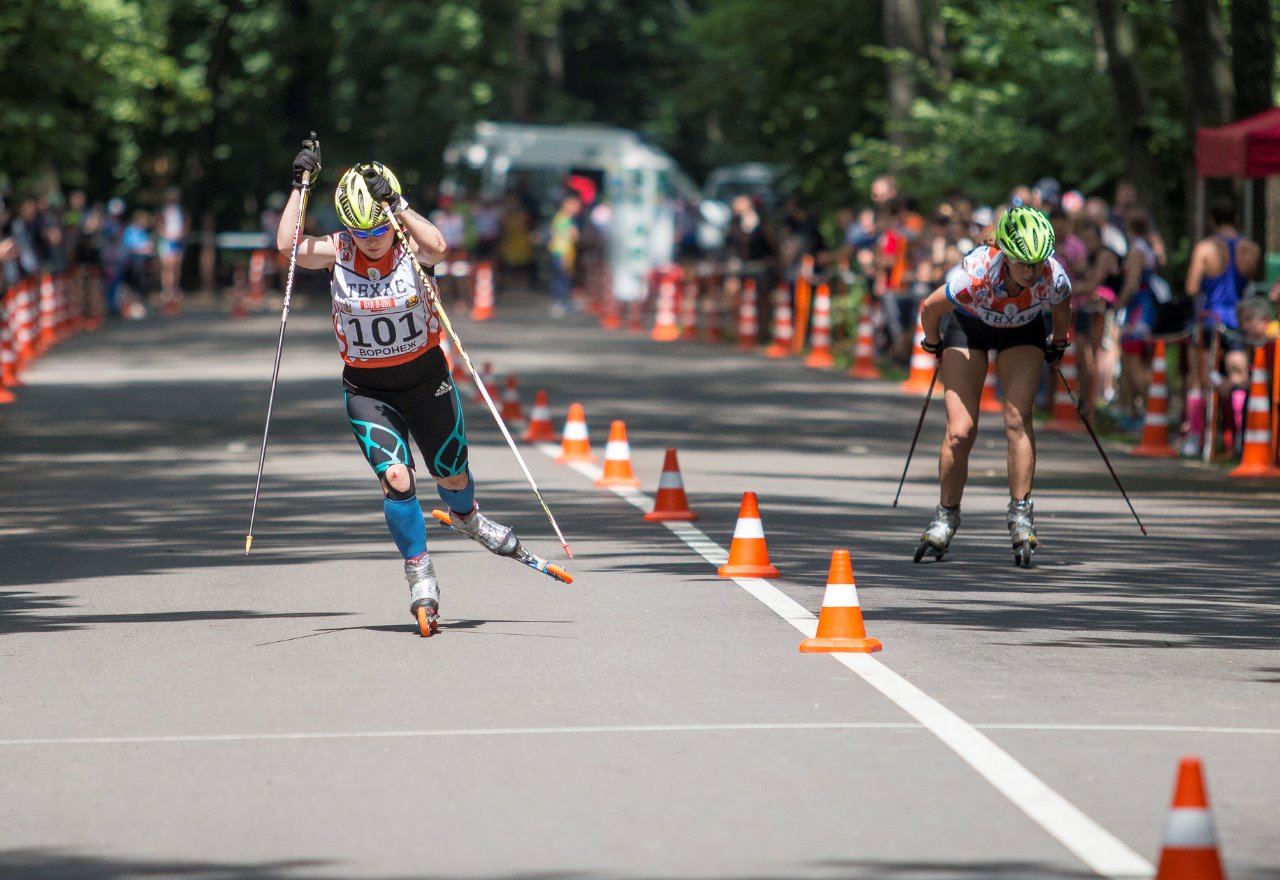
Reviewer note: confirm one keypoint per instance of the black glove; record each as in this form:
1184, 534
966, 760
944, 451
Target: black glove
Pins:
307, 160
380, 187
1054, 351
933, 348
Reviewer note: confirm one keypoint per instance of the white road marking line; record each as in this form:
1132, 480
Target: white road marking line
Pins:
1101, 851
607, 729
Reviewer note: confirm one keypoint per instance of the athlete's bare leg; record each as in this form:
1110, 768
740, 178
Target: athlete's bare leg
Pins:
963, 372
1019, 369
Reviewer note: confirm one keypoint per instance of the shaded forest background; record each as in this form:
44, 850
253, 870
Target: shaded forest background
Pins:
125, 98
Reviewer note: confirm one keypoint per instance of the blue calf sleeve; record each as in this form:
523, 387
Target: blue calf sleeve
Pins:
461, 501
404, 519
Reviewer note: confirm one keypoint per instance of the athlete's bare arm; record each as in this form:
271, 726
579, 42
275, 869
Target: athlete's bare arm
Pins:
428, 241
935, 306
1200, 257
1060, 320
314, 252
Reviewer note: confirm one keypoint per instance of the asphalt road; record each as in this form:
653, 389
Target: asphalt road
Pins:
171, 707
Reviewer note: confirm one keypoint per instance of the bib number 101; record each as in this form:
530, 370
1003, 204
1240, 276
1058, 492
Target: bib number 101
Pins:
384, 330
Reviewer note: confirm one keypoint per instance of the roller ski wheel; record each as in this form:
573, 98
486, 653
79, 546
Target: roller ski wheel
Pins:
936, 539
518, 553
428, 622
1023, 552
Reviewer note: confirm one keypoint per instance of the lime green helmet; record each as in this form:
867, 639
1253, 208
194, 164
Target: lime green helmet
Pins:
356, 207
1025, 235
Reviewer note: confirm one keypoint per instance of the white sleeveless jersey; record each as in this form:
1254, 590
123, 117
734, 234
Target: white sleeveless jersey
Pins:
381, 315
977, 287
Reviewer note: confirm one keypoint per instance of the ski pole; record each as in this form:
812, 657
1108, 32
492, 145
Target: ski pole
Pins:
1107, 461
275, 371
920, 424
433, 294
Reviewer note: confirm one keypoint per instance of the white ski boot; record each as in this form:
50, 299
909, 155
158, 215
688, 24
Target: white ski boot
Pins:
1022, 530
424, 593
937, 537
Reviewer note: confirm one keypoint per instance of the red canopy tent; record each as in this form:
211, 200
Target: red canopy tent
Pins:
1247, 148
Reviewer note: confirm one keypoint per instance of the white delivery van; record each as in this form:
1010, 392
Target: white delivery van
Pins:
639, 185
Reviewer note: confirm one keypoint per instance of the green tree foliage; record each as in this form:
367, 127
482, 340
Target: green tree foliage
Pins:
127, 96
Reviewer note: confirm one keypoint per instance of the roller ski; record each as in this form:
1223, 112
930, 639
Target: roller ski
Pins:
424, 594
1022, 531
500, 540
937, 537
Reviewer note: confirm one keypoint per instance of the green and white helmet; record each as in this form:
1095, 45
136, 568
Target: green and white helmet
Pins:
1025, 235
356, 207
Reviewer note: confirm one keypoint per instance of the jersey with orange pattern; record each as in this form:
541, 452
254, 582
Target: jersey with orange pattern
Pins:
979, 288
381, 314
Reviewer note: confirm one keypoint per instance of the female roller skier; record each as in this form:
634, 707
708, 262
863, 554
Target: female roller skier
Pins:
996, 299
395, 379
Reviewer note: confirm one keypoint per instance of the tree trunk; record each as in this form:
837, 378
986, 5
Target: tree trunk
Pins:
1206, 87
1253, 58
903, 32
1132, 105
518, 91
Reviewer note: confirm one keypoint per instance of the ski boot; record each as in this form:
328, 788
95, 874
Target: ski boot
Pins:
424, 593
493, 536
937, 537
1022, 530
499, 539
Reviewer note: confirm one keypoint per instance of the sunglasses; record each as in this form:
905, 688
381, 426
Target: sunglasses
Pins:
370, 233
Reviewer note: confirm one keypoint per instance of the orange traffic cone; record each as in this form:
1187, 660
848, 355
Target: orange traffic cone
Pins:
840, 626
922, 365
512, 411
782, 330
990, 402
482, 300
8, 350
1256, 461
575, 445
1155, 424
540, 428
1064, 418
485, 379
864, 353
617, 459
664, 321
748, 326
820, 342
670, 503
748, 554
1190, 847
689, 307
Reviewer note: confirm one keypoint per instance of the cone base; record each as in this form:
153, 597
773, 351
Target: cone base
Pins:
6, 396
670, 516
665, 334
629, 482
748, 571
1254, 470
777, 351
915, 386
482, 315
1177, 863
864, 373
545, 434
820, 361
840, 646
1153, 451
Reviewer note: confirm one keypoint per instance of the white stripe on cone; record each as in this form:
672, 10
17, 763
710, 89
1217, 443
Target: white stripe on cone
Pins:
617, 450
668, 479
1189, 828
841, 596
748, 528
575, 431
